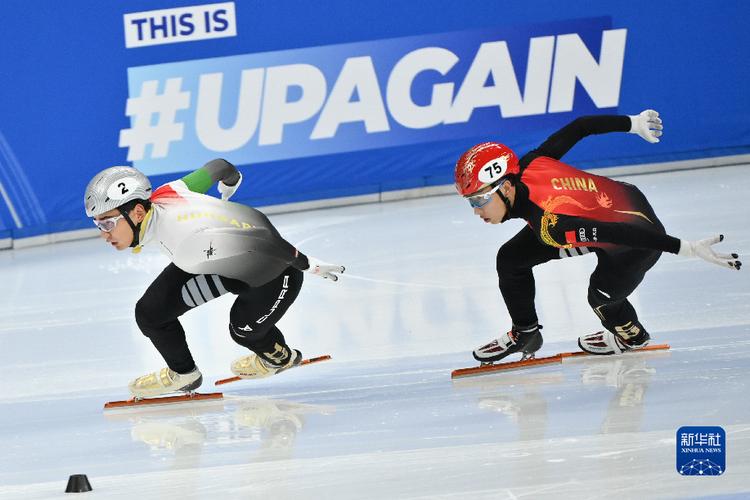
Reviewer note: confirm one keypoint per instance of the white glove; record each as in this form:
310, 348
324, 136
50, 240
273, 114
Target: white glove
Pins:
647, 125
323, 269
228, 191
702, 249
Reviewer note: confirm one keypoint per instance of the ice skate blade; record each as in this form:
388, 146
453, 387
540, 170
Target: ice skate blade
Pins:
161, 400
138, 399
629, 352
548, 360
524, 357
505, 366
308, 361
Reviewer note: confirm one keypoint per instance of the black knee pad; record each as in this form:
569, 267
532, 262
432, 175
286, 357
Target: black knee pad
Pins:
147, 316
506, 259
502, 259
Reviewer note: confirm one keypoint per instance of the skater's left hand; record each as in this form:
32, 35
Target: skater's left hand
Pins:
702, 249
647, 124
323, 269
228, 191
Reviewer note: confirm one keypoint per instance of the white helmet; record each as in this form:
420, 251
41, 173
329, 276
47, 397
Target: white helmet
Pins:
113, 187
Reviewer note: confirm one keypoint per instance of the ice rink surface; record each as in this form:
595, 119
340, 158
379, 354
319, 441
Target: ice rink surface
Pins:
383, 418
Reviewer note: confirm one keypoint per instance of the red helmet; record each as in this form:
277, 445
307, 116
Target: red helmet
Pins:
483, 165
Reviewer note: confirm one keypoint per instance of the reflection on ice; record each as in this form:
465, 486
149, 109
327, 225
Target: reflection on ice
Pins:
263, 428
523, 399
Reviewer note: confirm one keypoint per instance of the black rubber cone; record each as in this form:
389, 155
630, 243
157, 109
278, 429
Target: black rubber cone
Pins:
78, 483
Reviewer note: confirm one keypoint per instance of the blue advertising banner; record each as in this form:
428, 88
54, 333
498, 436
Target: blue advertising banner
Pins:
316, 101
355, 97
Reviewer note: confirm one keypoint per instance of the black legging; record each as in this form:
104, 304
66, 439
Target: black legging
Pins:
252, 318
616, 276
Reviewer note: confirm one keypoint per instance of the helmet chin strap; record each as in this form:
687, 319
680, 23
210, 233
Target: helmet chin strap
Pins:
507, 205
135, 227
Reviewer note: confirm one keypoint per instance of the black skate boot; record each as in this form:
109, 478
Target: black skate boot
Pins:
526, 340
627, 337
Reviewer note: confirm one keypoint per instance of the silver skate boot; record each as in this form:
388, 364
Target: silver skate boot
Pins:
526, 340
254, 366
163, 382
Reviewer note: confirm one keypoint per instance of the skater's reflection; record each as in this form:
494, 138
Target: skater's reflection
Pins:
529, 400
269, 427
274, 423
630, 376
519, 397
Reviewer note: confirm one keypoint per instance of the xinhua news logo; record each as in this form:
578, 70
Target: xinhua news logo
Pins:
701, 451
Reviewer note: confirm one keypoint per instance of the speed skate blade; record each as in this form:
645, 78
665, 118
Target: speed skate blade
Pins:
162, 400
580, 354
507, 366
548, 360
308, 361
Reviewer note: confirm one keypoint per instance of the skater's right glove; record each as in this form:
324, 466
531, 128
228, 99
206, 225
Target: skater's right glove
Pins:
647, 124
323, 269
702, 249
228, 191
